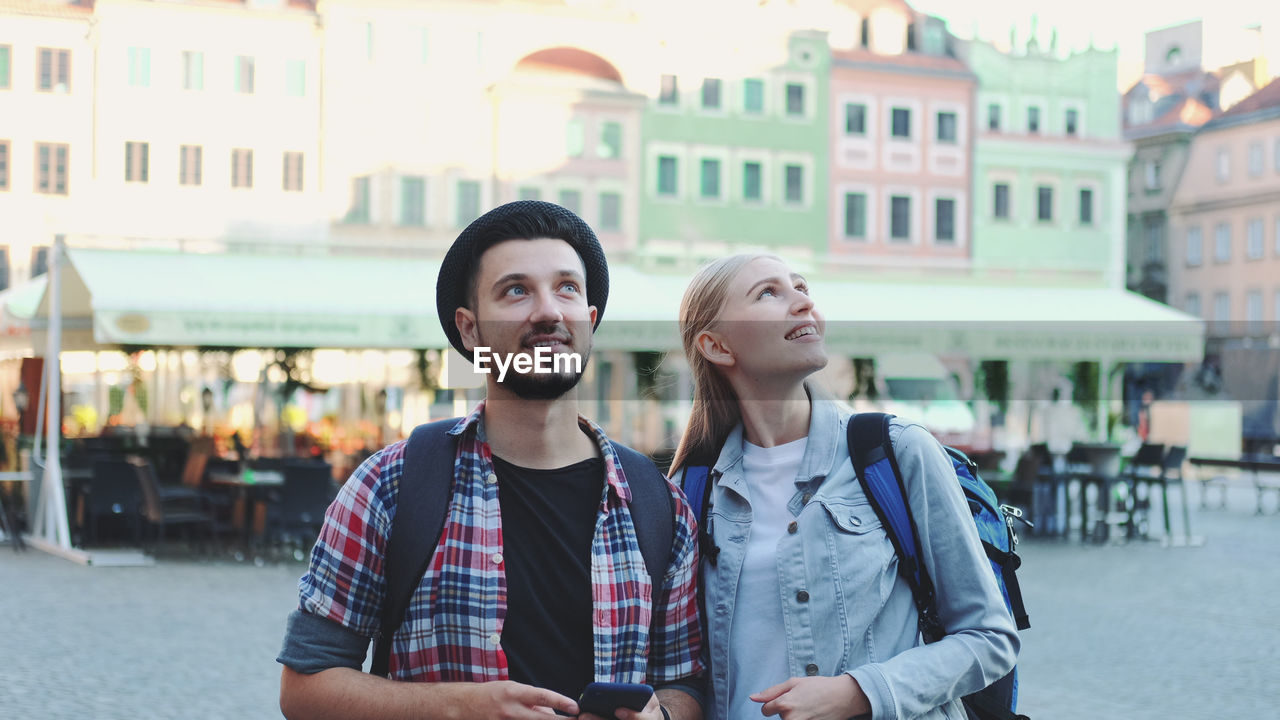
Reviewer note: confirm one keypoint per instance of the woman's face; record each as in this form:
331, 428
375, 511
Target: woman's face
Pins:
769, 325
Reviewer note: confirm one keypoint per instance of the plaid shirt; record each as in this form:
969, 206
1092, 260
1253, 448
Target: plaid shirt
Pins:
453, 627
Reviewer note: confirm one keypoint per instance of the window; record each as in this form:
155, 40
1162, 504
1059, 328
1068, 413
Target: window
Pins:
135, 161
4, 267
610, 147
795, 184
1073, 121
292, 172
1277, 162
1253, 310
669, 94
900, 217
241, 168
244, 75
795, 99
358, 210
901, 122
610, 211
1151, 175
1086, 206
1000, 193
573, 139
192, 70
295, 78
1192, 305
4, 164
855, 215
530, 193
139, 67
6, 54
855, 119
993, 117
1222, 243
1255, 159
1221, 311
190, 161
947, 127
1044, 203
368, 41
39, 260
666, 175
1254, 248
710, 179
753, 96
1277, 248
1153, 238
944, 221
53, 71
711, 94
1195, 247
751, 175
413, 201
1224, 165
572, 200
468, 201
51, 168
1033, 120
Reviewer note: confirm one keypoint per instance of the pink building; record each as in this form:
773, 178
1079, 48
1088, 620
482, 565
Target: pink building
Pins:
1225, 222
902, 142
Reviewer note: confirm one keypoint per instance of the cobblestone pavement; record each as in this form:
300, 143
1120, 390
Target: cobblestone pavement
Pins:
1119, 631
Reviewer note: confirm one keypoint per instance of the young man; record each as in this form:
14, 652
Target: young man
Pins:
537, 585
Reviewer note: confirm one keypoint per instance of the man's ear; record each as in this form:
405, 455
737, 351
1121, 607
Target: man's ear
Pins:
466, 322
593, 312
712, 347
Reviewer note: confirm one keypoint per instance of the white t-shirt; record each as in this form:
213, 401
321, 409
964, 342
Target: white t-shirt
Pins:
758, 639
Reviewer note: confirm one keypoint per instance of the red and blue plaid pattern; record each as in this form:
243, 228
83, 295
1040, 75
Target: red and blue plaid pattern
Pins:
453, 627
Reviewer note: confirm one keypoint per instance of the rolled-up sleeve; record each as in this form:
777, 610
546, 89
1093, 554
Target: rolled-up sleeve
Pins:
981, 644
675, 642
340, 594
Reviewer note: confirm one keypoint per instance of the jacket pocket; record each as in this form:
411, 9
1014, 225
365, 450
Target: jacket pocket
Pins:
859, 561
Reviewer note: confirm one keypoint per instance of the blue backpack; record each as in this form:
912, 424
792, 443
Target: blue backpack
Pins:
877, 470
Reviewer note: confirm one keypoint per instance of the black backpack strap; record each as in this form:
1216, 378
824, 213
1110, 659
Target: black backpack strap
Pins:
426, 487
652, 512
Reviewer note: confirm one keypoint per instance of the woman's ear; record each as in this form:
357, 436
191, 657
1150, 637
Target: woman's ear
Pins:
712, 347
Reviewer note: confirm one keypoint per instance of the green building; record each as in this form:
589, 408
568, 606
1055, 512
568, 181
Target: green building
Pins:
737, 159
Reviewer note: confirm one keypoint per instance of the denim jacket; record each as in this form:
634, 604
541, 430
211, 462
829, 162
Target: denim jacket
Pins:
845, 608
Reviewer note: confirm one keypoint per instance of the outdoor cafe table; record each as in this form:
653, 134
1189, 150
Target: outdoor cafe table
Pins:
249, 486
1094, 464
1256, 465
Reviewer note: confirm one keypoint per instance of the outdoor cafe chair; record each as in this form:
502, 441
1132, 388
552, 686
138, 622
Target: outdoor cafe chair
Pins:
160, 512
1144, 470
113, 495
295, 511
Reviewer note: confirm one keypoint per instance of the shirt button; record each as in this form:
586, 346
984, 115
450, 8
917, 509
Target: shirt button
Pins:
810, 669
497, 558
855, 520
792, 527
804, 499
495, 638
802, 596
491, 479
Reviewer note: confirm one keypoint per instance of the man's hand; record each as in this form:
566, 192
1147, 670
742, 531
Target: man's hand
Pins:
815, 698
652, 711
507, 700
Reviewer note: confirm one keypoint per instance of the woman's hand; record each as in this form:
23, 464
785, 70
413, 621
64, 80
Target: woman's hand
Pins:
815, 698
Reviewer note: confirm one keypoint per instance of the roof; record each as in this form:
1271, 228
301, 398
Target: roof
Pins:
1189, 112
866, 7
77, 10
907, 60
1264, 99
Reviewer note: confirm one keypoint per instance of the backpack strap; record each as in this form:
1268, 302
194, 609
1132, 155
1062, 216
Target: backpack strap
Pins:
874, 461
426, 487
652, 512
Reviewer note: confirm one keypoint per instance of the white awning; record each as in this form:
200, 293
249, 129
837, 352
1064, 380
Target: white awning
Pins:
150, 298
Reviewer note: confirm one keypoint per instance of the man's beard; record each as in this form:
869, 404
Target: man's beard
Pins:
545, 386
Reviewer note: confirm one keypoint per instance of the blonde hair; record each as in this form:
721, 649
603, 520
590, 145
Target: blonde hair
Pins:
715, 404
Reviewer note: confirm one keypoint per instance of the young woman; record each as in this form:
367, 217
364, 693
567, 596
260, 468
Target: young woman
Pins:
807, 616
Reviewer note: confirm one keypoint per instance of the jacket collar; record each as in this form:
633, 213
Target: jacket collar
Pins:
820, 452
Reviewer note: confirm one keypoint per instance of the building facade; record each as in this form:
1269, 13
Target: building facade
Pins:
1049, 165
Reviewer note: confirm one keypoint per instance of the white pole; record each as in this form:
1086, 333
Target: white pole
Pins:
56, 530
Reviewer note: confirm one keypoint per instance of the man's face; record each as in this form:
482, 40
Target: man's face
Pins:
531, 294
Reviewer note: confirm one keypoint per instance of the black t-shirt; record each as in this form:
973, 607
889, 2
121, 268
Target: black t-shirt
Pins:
548, 522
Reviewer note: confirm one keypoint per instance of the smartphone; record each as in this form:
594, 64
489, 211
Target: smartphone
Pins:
603, 698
